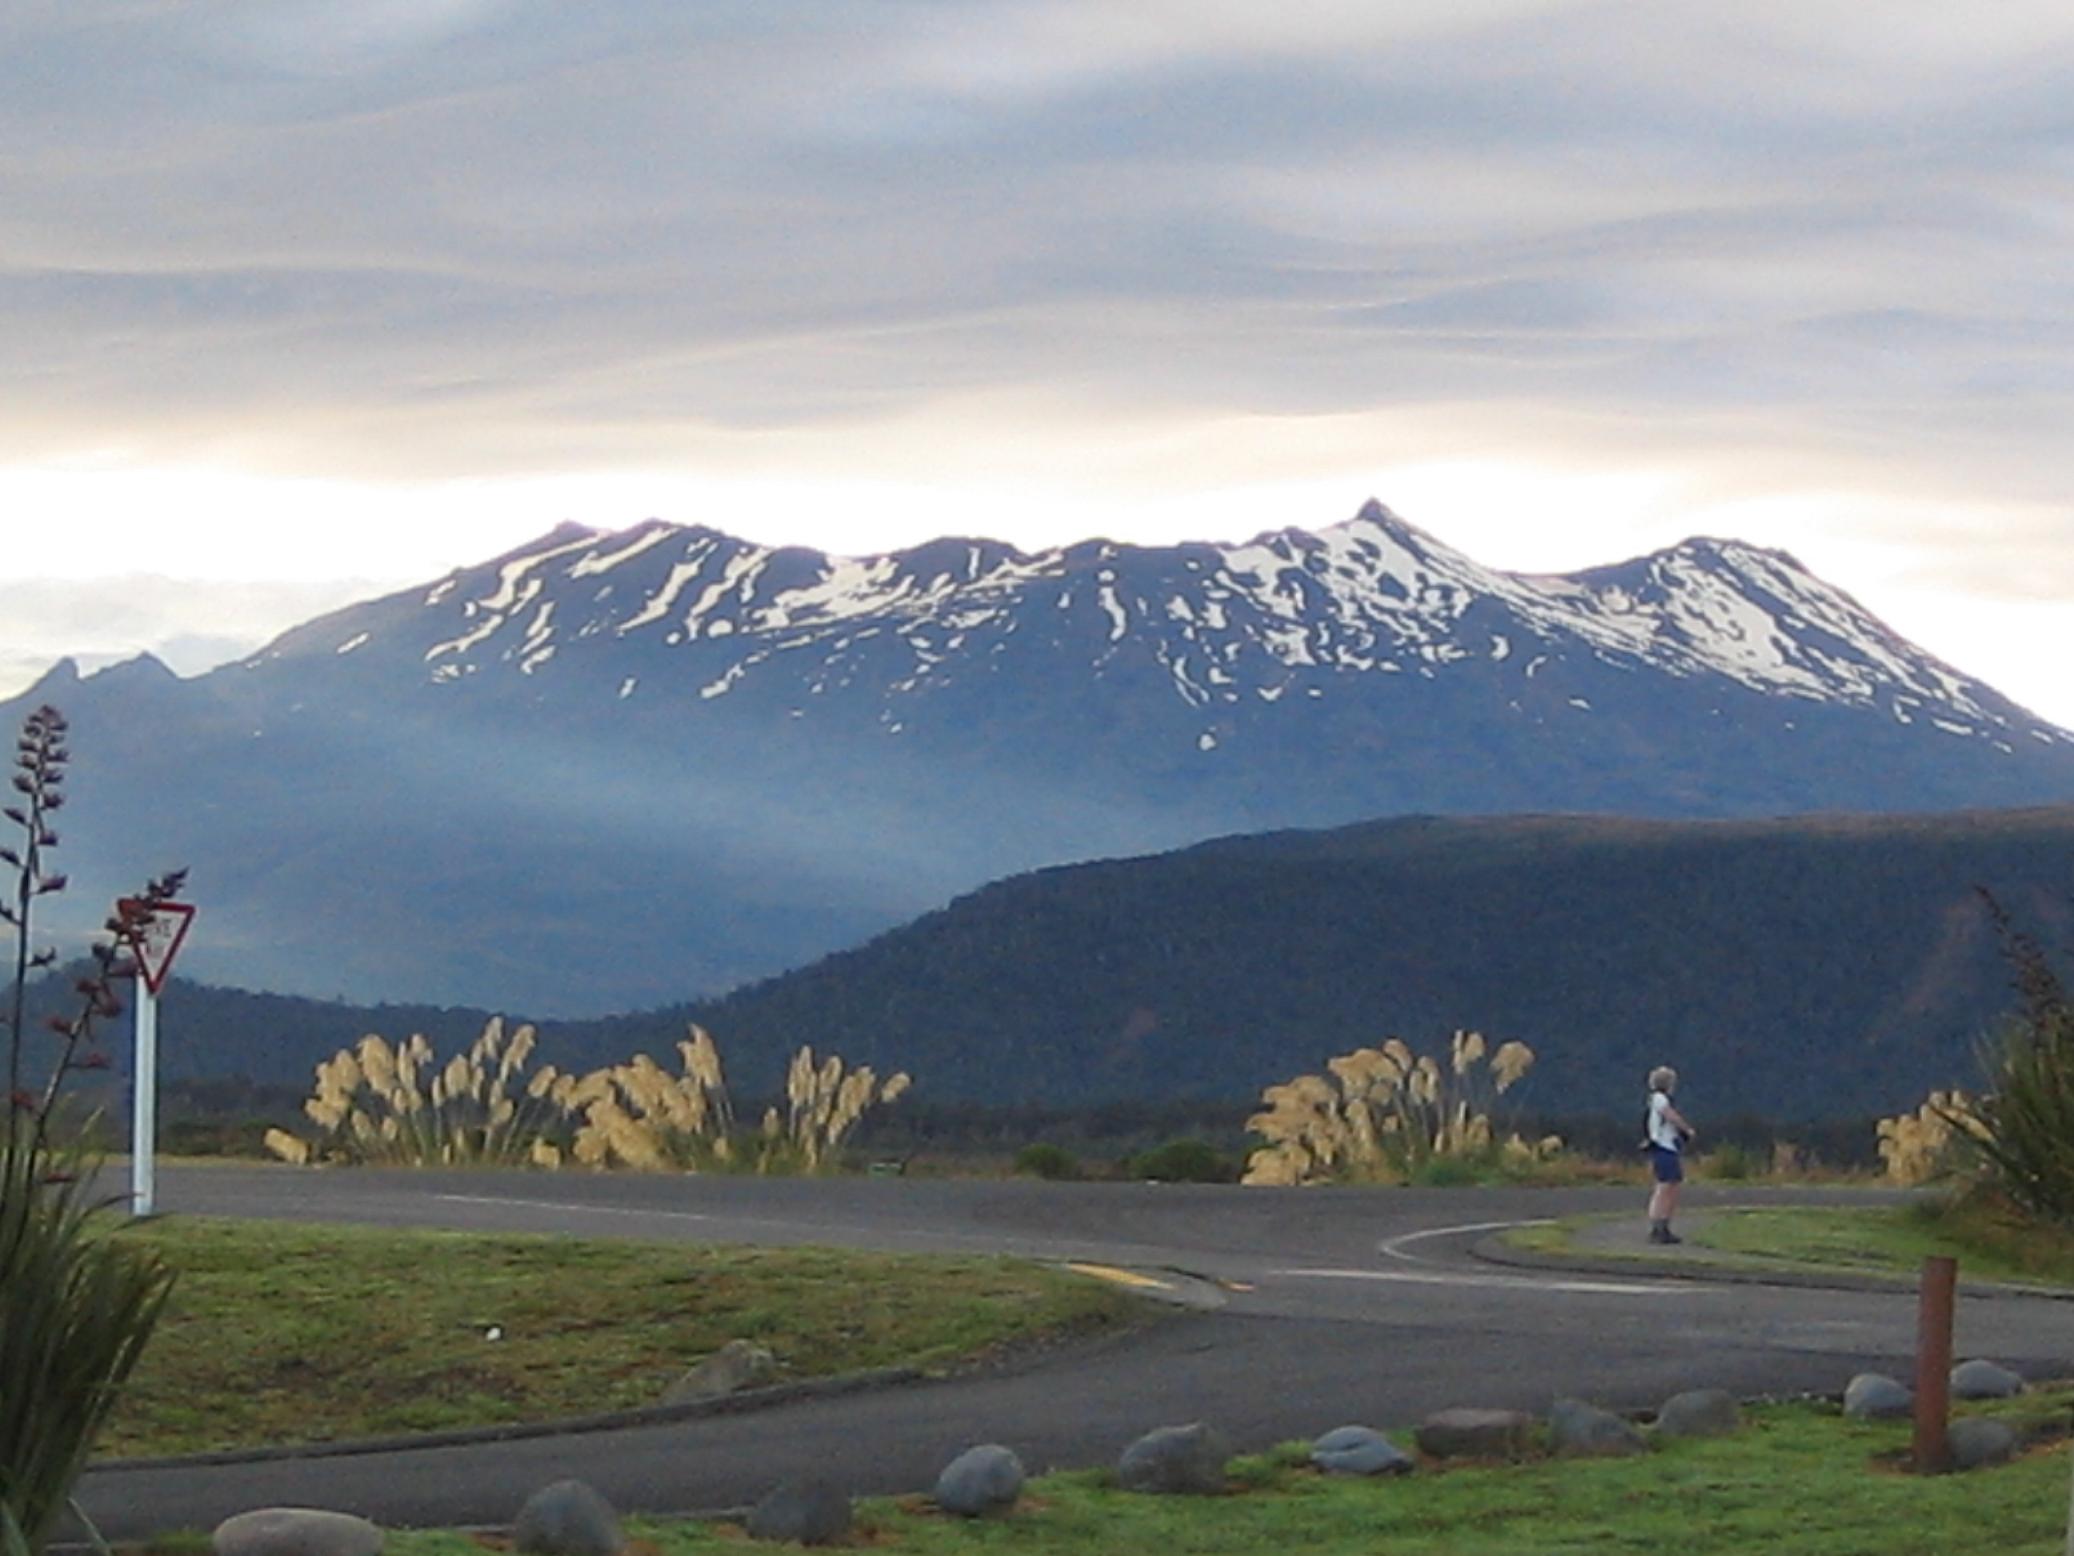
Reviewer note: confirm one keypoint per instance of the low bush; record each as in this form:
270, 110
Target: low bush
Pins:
1183, 1161
1053, 1163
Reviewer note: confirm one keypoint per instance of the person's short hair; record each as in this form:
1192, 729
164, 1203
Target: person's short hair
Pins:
1663, 1078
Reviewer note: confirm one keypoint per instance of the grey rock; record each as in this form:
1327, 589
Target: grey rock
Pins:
1476, 1434
1359, 1450
1984, 1380
736, 1365
1699, 1413
1176, 1461
1976, 1441
295, 1531
567, 1518
1577, 1430
804, 1512
981, 1480
1873, 1396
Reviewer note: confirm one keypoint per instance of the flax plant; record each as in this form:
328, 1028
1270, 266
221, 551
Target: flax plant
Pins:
1381, 1115
77, 1306
397, 1105
39, 793
2023, 1123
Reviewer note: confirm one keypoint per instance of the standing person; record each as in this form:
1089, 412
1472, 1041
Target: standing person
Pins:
1668, 1134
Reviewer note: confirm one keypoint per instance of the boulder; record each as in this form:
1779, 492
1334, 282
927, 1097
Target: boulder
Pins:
1873, 1396
736, 1365
1577, 1430
981, 1480
1984, 1380
1476, 1434
1699, 1413
567, 1518
1176, 1461
295, 1531
1359, 1450
1979, 1440
804, 1512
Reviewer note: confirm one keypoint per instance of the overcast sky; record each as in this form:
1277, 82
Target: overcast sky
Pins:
300, 299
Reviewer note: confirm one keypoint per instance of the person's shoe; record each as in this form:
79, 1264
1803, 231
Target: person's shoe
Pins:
1660, 1232
1670, 1237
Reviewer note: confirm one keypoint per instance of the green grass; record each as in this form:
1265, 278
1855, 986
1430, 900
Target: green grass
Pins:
1990, 1243
281, 1333
1798, 1478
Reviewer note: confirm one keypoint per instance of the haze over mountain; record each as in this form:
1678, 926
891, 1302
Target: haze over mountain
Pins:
609, 770
1825, 967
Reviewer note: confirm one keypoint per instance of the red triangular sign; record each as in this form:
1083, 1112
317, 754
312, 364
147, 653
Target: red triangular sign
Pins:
160, 938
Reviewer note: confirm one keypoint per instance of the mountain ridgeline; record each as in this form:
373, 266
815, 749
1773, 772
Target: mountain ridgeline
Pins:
608, 770
1803, 969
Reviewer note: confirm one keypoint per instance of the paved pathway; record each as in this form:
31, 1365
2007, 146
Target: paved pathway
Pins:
1332, 1306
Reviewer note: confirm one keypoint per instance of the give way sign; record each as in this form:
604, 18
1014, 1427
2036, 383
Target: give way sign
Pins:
161, 932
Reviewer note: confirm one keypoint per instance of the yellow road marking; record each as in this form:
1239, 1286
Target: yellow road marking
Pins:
1121, 1277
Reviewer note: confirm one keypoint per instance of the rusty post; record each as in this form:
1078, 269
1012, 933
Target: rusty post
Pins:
2070, 1521
1932, 1452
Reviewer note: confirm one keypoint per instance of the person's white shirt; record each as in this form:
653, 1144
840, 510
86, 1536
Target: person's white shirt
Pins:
1661, 1130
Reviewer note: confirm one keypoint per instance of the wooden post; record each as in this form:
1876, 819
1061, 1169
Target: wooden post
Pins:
1933, 1452
2070, 1520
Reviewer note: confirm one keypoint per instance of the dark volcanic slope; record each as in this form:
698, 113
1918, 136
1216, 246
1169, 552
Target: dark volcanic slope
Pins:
1811, 967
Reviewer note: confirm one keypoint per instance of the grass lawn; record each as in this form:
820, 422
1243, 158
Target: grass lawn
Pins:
1989, 1243
1798, 1478
281, 1333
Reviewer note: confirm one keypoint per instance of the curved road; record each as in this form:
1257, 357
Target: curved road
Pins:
1316, 1308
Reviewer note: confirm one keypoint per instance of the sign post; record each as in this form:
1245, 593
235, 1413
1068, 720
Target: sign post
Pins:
159, 938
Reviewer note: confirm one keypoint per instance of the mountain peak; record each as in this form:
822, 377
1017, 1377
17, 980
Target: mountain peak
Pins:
142, 669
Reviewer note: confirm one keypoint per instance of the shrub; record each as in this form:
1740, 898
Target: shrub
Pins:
1730, 1163
1043, 1160
1183, 1161
1449, 1172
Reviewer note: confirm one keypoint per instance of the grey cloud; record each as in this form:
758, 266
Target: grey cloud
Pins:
469, 236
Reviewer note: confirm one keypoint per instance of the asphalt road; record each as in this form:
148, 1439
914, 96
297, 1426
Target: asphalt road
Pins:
1313, 1309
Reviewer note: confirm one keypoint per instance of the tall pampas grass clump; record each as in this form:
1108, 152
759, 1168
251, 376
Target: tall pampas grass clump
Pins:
824, 1103
398, 1105
1939, 1140
1386, 1114
639, 1115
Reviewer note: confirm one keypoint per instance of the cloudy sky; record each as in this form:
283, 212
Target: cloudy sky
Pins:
300, 299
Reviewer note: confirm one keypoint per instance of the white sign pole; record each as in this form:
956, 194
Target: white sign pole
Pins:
144, 1104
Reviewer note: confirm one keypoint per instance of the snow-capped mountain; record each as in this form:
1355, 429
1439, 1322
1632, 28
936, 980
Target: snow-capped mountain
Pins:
1287, 614
610, 768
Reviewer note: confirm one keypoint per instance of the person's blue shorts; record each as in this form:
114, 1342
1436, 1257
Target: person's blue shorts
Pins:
1669, 1165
